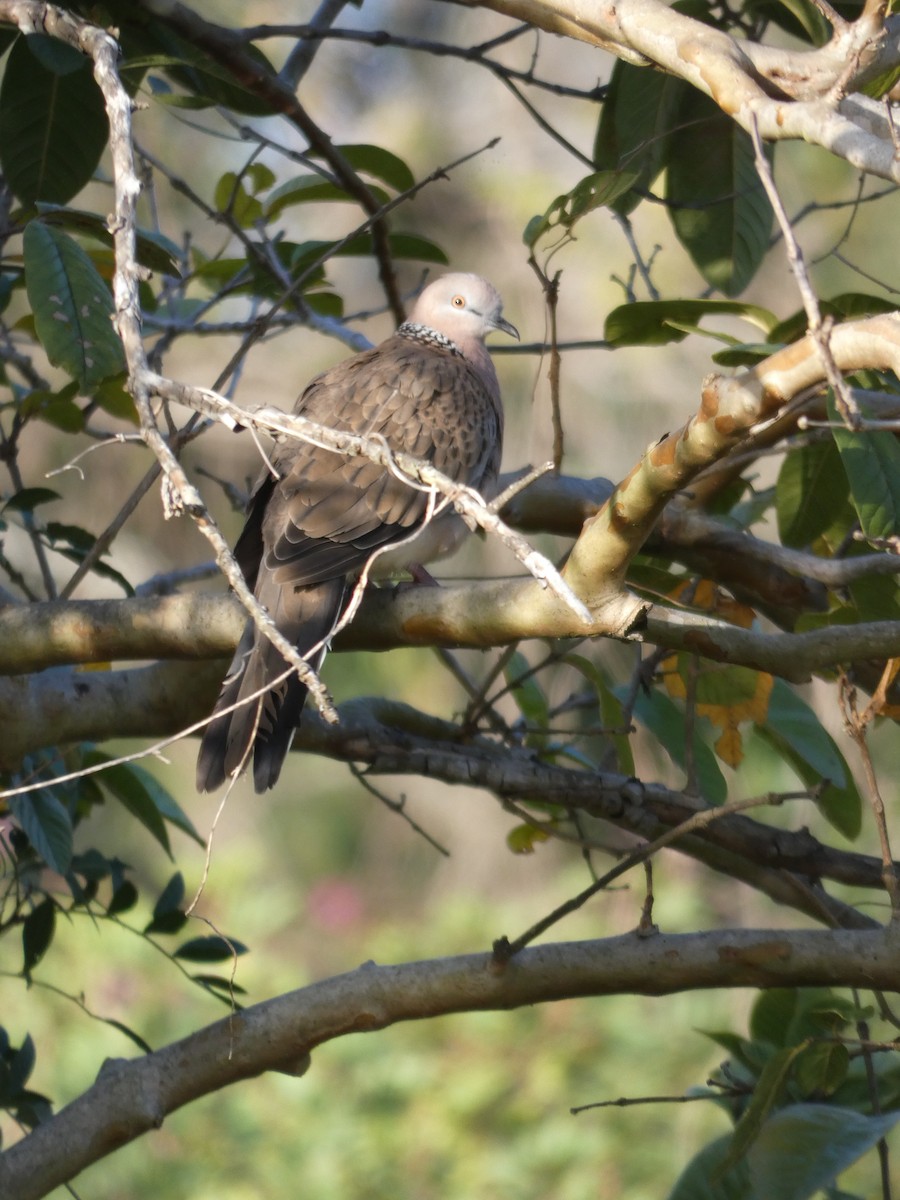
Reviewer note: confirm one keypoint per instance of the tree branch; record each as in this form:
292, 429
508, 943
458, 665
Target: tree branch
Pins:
133, 1097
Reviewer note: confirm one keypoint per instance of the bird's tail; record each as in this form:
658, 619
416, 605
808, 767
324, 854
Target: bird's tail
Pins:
306, 616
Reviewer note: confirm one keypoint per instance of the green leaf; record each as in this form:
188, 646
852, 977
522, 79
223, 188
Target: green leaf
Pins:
123, 898
666, 722
845, 306
56, 408
53, 125
21, 1065
703, 1178
37, 934
803, 1148
526, 691
594, 191
306, 189
772, 1014
232, 196
811, 493
822, 1068
75, 542
376, 161
154, 250
72, 306
28, 499
658, 322
168, 916
216, 984
210, 83
636, 120
744, 354
135, 790
210, 949
872, 463
113, 399
612, 714
793, 729
768, 1091
720, 212
47, 825
799, 18
129, 1033
876, 597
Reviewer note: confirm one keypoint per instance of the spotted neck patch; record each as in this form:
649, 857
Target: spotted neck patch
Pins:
430, 337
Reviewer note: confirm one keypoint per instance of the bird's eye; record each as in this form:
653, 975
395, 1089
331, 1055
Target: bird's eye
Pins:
458, 302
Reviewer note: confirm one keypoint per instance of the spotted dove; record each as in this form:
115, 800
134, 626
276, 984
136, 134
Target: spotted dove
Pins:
429, 390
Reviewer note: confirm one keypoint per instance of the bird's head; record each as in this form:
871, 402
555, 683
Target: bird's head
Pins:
463, 307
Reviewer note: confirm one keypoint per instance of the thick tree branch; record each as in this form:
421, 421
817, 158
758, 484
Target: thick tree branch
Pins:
811, 94
131, 1098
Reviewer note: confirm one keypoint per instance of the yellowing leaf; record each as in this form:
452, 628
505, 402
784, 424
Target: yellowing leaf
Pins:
730, 746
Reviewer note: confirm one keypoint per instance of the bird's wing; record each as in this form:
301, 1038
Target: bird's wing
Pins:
327, 513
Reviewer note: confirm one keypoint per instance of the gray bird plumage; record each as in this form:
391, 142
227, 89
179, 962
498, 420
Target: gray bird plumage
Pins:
429, 390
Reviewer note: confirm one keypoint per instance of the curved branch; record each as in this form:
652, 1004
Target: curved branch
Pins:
790, 93
133, 1097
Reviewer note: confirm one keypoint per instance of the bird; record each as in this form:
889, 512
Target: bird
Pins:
317, 517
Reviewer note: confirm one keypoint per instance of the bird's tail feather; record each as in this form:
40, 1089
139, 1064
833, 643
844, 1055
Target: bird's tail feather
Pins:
306, 616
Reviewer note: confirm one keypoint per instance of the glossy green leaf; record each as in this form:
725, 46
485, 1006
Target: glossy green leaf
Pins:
872, 463
37, 934
210, 949
803, 1148
719, 210
47, 825
658, 322
72, 306
810, 494
636, 119
796, 732
53, 126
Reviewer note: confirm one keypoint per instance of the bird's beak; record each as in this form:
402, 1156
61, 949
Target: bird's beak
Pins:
503, 326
